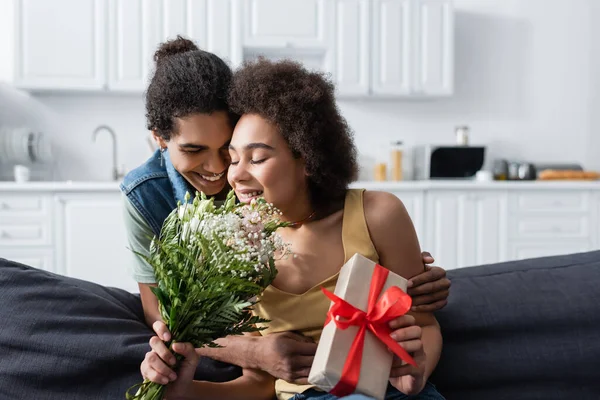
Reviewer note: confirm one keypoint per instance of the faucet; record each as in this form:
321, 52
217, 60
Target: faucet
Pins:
117, 174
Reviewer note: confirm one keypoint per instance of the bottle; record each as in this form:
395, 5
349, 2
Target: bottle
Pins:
380, 172
397, 152
462, 135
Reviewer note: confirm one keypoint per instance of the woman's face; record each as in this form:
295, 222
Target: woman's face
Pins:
199, 151
262, 165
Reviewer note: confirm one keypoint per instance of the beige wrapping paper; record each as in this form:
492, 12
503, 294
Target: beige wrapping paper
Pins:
334, 345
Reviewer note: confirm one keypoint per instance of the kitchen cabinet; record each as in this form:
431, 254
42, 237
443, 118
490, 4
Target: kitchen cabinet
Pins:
109, 45
60, 44
371, 48
412, 48
350, 65
33, 257
464, 229
91, 239
133, 38
288, 23
392, 44
551, 222
414, 202
79, 231
433, 47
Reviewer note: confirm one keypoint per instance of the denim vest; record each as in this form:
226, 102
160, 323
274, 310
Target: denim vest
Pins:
154, 188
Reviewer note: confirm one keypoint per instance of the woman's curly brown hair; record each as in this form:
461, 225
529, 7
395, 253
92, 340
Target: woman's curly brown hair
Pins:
302, 106
187, 80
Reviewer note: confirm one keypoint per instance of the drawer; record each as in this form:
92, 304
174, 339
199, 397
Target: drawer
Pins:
549, 226
34, 257
523, 250
19, 205
24, 234
547, 200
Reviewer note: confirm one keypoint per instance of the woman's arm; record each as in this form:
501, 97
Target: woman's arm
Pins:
396, 242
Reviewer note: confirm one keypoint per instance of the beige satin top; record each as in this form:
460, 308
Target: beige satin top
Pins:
305, 313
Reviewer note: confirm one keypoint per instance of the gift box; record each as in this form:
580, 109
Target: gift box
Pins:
353, 355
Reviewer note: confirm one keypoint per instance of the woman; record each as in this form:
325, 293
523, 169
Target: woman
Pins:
292, 147
188, 113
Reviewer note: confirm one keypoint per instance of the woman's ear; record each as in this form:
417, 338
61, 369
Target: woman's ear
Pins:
162, 144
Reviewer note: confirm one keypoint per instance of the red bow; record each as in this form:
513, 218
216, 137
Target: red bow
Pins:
392, 304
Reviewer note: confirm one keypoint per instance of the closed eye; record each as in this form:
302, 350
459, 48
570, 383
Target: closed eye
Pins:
257, 161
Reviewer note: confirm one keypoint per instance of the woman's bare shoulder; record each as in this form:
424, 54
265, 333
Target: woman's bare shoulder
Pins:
392, 233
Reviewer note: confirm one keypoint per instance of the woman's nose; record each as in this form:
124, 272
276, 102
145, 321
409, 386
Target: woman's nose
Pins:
238, 173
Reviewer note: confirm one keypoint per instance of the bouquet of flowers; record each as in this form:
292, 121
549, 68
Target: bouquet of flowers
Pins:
210, 264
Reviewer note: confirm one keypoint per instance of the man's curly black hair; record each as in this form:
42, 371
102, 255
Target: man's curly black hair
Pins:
186, 81
302, 105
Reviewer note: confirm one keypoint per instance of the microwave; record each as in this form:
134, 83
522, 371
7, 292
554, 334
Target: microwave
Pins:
447, 162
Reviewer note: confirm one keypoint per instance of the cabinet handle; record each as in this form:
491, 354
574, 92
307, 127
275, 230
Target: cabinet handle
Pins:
556, 229
4, 206
5, 235
557, 203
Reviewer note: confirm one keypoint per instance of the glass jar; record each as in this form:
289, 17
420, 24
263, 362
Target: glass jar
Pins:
397, 171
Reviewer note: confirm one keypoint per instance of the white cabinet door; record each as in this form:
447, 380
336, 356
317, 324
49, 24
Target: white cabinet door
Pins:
91, 238
133, 36
434, 47
60, 44
391, 45
213, 24
40, 258
351, 67
286, 23
465, 229
595, 244
414, 203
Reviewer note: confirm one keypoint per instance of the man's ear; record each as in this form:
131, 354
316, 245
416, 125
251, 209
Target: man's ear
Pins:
162, 144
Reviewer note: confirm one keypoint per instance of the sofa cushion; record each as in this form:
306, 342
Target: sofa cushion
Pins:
64, 338
526, 329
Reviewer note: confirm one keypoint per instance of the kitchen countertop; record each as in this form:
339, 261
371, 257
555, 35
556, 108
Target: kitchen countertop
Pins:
108, 186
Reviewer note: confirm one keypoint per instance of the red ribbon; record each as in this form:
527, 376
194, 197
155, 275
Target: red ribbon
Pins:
392, 304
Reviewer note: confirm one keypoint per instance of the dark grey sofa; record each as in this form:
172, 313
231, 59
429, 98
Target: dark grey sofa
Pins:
519, 330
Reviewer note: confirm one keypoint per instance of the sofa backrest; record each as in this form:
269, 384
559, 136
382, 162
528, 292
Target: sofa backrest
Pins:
527, 329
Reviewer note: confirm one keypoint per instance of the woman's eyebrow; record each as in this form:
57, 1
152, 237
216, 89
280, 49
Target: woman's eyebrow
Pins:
257, 145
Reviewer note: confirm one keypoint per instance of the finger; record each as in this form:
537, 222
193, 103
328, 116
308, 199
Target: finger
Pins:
403, 370
412, 346
300, 364
431, 274
304, 349
297, 337
301, 375
430, 287
156, 377
161, 349
153, 362
301, 381
402, 322
430, 298
161, 330
428, 308
408, 333
185, 349
155, 374
427, 257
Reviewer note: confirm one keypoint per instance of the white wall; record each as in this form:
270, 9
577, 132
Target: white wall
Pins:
525, 84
